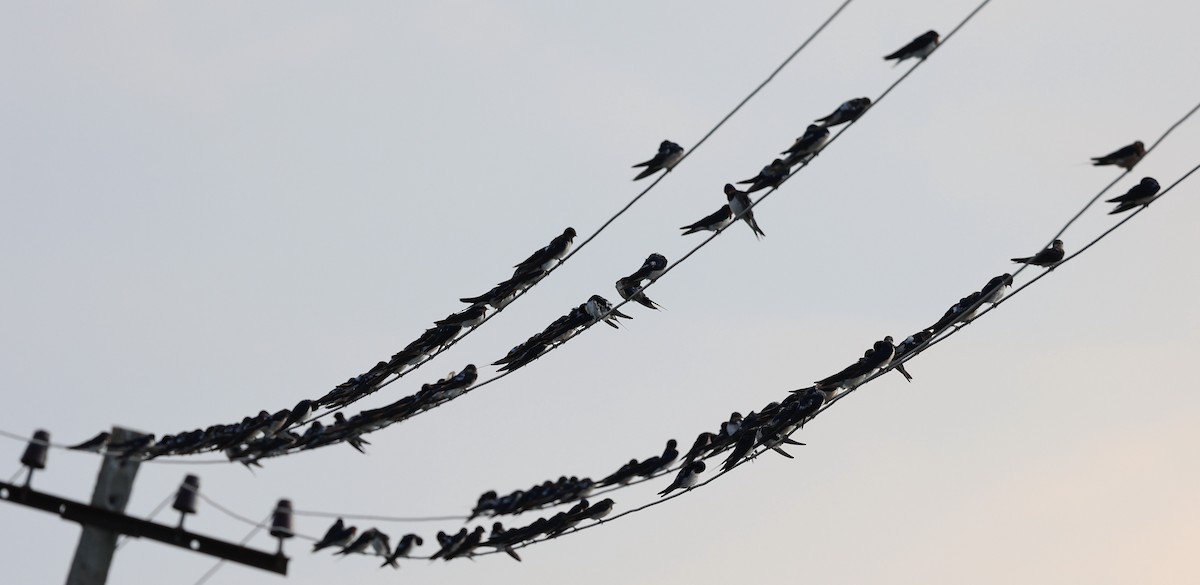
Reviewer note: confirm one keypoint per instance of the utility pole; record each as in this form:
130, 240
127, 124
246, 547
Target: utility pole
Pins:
114, 485
104, 519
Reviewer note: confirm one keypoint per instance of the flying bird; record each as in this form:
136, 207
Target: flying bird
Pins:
847, 112
739, 205
1125, 157
919, 48
1140, 194
1047, 258
710, 223
669, 155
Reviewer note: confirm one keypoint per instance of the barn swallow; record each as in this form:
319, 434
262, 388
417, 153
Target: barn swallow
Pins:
1050, 256
468, 317
544, 259
1140, 194
879, 356
739, 205
770, 176
652, 268
403, 549
337, 535
1124, 157
847, 112
469, 544
702, 444
94, 444
449, 543
686, 478
631, 291
919, 48
654, 464
599, 510
912, 341
996, 288
710, 223
815, 138
299, 414
525, 356
669, 155
599, 308
500, 296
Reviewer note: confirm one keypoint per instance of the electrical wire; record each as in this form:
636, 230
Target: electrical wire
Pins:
217, 567
753, 204
636, 198
829, 404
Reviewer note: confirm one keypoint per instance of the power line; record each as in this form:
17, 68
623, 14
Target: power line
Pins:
829, 404
721, 230
649, 187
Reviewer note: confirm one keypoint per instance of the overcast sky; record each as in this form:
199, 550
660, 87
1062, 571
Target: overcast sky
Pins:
210, 210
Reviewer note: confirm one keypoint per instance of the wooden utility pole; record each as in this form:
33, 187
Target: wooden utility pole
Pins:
114, 485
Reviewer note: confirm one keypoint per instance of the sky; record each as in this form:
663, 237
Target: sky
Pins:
215, 209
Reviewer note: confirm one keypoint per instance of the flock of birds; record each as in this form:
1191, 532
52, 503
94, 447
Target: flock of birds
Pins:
736, 438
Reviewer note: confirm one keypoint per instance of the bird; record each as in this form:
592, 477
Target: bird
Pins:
847, 112
739, 205
600, 309
468, 317
996, 288
770, 176
337, 535
1124, 157
359, 544
710, 223
653, 267
686, 478
543, 260
403, 549
599, 510
94, 444
919, 48
300, 414
1140, 194
1046, 258
879, 356
702, 444
631, 291
814, 139
669, 155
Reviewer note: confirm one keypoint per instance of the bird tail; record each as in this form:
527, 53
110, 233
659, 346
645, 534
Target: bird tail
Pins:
1123, 207
645, 173
1023, 260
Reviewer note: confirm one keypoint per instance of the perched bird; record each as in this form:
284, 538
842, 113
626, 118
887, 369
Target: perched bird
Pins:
919, 48
1140, 194
598, 308
710, 223
1124, 157
403, 549
631, 290
469, 317
300, 414
814, 139
770, 176
361, 543
847, 112
544, 259
669, 155
878, 357
450, 544
996, 288
1046, 258
652, 268
739, 204
702, 444
686, 478
599, 510
338, 535
94, 444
